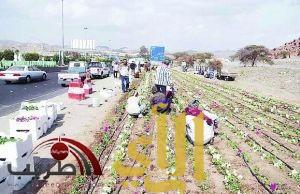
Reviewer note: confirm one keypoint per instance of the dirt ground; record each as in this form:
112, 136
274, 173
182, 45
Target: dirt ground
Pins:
274, 81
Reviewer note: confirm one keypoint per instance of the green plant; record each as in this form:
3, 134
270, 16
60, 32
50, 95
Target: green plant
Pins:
4, 140
78, 182
31, 56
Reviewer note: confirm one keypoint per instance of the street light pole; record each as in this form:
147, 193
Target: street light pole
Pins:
86, 41
62, 30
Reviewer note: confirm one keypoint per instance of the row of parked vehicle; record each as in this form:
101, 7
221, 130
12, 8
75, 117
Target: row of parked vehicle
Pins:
80, 70
211, 73
76, 70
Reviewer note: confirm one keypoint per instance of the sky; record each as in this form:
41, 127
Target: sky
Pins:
205, 25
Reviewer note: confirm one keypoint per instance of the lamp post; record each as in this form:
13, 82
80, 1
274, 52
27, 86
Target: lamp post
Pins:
86, 42
62, 31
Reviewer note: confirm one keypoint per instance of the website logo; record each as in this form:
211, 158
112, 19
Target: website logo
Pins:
61, 148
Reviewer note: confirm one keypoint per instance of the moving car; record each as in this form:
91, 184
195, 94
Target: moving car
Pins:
98, 69
22, 73
76, 70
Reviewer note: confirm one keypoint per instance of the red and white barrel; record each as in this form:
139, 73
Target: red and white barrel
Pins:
88, 89
76, 90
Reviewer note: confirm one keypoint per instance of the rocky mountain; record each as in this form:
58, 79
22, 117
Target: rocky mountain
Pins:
28, 47
293, 48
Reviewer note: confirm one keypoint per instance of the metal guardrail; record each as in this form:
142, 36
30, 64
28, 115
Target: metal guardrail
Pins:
4, 64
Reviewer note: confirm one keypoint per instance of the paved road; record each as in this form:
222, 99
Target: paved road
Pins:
11, 95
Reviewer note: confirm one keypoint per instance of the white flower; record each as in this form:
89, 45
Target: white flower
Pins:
294, 172
216, 156
278, 163
106, 189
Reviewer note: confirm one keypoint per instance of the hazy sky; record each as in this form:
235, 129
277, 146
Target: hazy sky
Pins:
177, 24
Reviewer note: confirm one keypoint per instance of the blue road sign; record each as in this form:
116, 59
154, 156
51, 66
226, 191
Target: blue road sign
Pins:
157, 53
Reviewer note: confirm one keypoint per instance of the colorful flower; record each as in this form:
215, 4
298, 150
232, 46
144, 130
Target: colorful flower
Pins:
273, 187
239, 152
106, 127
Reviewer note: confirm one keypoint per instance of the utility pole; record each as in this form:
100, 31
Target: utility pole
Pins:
62, 31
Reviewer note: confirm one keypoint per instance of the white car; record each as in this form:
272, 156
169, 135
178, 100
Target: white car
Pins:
98, 69
22, 73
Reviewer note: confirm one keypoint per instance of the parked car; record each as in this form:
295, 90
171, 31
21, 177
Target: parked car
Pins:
98, 69
226, 75
76, 70
22, 73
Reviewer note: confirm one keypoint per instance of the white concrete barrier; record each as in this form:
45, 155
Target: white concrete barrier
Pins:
15, 149
7, 185
3, 170
43, 108
19, 164
20, 181
21, 126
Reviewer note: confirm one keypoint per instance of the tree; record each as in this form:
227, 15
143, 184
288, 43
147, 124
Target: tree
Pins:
215, 64
31, 56
1, 55
8, 55
56, 58
179, 55
144, 52
190, 58
252, 54
203, 56
47, 58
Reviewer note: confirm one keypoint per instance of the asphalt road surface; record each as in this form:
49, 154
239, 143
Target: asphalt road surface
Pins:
11, 95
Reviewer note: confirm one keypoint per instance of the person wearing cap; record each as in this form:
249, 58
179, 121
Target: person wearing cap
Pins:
163, 77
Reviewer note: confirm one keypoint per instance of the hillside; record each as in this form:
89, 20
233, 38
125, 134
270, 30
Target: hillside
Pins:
292, 47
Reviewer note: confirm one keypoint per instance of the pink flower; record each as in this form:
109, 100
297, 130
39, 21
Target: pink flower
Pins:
214, 104
273, 187
239, 152
257, 132
105, 127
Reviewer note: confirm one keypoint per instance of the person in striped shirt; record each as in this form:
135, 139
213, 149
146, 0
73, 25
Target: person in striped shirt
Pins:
163, 77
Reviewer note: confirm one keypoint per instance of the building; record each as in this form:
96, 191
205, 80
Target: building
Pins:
83, 44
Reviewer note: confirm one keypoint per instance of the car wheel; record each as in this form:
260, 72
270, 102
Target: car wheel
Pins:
44, 77
28, 79
101, 76
8, 82
63, 85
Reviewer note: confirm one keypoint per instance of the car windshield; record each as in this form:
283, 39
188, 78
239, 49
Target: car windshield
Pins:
95, 65
16, 68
